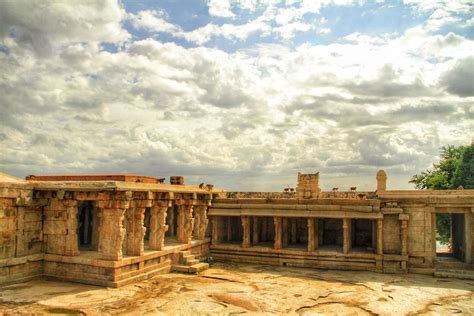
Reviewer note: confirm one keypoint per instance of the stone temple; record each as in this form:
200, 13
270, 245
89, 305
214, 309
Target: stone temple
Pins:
115, 229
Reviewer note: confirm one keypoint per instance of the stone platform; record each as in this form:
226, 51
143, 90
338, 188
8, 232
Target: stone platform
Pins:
89, 268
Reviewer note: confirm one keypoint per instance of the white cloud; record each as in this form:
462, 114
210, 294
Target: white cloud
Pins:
152, 20
288, 31
220, 8
44, 25
443, 12
229, 31
264, 112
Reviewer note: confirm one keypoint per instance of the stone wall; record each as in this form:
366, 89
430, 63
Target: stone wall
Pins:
420, 247
391, 234
21, 234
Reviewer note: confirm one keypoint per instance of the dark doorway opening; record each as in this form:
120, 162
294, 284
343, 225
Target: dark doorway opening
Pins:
172, 221
330, 234
146, 223
232, 229
87, 228
450, 237
295, 234
362, 235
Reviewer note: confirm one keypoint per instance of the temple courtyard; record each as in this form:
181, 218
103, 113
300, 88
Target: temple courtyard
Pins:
238, 289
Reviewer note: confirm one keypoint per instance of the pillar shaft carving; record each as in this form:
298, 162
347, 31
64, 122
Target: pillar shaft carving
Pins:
404, 237
346, 226
277, 222
245, 231
200, 221
158, 226
71, 247
135, 231
112, 233
185, 223
380, 236
215, 230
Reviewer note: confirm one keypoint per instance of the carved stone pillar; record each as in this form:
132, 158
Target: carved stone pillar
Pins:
346, 226
311, 244
185, 223
158, 225
135, 231
96, 224
255, 230
468, 218
215, 230
112, 233
200, 221
277, 222
284, 232
171, 226
71, 247
380, 236
404, 237
245, 231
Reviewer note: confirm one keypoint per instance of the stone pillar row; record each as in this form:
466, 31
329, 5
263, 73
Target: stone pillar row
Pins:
113, 232
251, 233
119, 220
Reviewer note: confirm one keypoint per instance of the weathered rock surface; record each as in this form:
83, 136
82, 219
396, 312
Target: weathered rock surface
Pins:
229, 289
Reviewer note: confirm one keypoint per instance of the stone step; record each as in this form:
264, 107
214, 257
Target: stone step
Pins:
195, 268
185, 253
192, 262
180, 268
460, 274
189, 257
463, 271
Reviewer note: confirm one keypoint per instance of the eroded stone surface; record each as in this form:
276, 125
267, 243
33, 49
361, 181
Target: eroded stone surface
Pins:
228, 289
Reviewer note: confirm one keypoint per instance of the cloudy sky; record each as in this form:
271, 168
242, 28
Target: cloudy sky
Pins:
242, 94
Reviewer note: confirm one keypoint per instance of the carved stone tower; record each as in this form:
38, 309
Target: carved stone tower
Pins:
308, 186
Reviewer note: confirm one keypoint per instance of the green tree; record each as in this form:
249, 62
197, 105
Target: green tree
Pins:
441, 176
464, 174
455, 168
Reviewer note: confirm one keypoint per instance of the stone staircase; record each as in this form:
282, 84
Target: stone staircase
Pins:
455, 273
187, 263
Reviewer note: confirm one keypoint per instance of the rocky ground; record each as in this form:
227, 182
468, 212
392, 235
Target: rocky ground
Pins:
232, 289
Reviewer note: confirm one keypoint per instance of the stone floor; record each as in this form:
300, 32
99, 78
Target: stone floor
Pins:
232, 289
